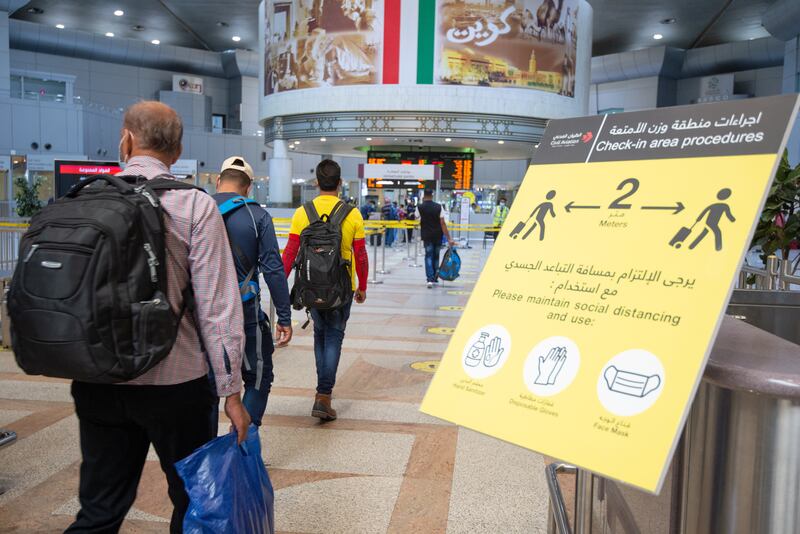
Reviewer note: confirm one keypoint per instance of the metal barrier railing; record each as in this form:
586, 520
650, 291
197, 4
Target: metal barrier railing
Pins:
777, 275
557, 518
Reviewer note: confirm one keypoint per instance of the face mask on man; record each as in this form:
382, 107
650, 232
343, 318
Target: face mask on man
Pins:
502, 204
124, 158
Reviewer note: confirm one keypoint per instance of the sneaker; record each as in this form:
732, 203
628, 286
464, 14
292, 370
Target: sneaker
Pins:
430, 285
322, 408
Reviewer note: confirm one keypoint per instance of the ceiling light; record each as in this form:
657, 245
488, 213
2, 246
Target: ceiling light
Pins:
322, 139
60, 26
657, 36
119, 12
155, 42
236, 38
109, 34
447, 139
501, 142
369, 139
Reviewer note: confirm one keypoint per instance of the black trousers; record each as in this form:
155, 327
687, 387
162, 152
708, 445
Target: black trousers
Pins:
117, 425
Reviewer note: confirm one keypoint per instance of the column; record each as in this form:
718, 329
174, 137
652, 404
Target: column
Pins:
5, 57
280, 176
791, 84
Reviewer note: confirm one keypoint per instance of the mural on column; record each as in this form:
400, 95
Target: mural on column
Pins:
507, 43
322, 43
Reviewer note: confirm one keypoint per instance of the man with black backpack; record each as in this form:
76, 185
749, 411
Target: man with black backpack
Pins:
255, 250
121, 285
327, 250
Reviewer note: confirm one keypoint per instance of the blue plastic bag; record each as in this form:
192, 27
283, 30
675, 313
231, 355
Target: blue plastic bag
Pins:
229, 488
451, 265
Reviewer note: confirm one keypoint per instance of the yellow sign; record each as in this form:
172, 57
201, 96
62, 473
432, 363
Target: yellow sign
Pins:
587, 334
451, 308
458, 292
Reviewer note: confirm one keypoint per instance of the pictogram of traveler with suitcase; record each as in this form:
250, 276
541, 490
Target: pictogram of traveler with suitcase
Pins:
713, 215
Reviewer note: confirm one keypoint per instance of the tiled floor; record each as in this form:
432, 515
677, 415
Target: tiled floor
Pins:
382, 467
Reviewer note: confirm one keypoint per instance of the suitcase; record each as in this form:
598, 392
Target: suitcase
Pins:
517, 229
680, 236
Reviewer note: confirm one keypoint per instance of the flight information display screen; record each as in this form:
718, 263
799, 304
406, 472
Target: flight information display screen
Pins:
456, 167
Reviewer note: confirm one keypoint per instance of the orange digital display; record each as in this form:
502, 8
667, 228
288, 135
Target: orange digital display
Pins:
456, 167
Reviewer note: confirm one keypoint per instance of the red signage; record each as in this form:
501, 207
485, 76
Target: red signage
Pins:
88, 170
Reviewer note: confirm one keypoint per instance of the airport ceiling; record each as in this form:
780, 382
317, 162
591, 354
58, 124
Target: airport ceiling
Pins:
619, 25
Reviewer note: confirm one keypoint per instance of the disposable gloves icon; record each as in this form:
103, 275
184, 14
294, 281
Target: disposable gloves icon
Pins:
550, 366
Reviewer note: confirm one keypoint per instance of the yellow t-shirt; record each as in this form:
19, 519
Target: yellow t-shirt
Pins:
352, 227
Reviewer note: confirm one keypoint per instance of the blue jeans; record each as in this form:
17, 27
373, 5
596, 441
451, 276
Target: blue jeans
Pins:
329, 328
389, 236
432, 260
256, 366
257, 369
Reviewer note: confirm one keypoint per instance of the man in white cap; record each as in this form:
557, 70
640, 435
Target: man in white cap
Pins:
255, 250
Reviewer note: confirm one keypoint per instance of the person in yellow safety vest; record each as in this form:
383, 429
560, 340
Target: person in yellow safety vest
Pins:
500, 213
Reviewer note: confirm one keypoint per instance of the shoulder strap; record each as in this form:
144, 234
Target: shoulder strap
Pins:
225, 208
339, 213
311, 212
232, 204
165, 183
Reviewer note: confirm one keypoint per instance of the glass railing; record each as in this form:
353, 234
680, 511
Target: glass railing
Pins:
111, 110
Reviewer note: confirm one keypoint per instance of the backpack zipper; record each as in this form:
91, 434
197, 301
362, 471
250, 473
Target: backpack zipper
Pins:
30, 253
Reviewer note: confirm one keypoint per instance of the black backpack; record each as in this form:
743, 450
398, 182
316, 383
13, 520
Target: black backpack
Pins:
322, 279
88, 300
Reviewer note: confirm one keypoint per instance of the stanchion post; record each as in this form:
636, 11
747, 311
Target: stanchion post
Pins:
583, 502
375, 280
383, 253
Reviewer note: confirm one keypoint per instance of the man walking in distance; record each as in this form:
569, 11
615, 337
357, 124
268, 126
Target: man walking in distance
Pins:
255, 250
329, 325
433, 227
169, 406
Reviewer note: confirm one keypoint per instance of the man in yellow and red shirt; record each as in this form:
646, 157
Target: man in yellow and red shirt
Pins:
329, 325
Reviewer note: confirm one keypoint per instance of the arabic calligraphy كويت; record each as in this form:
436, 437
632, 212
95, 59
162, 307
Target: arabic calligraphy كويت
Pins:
482, 33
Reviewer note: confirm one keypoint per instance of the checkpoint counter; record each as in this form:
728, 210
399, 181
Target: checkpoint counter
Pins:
737, 467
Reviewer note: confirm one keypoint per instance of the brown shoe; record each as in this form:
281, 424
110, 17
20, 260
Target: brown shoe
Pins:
322, 408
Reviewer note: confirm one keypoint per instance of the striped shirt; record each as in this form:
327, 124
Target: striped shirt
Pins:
197, 249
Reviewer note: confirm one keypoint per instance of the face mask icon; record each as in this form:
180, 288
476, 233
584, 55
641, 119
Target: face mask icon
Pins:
630, 383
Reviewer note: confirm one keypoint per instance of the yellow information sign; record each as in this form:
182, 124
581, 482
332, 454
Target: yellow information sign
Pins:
587, 334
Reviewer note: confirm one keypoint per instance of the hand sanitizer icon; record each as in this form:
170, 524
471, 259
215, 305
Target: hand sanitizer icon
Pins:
475, 353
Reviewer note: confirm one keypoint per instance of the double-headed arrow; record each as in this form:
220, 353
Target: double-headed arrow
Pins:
677, 208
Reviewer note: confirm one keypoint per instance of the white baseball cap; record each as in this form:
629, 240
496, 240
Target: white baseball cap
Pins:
238, 163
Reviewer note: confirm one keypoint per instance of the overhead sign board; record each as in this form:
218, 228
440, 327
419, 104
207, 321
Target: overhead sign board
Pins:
588, 332
184, 167
398, 172
383, 183
70, 172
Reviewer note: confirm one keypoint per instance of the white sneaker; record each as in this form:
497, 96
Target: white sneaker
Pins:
430, 285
